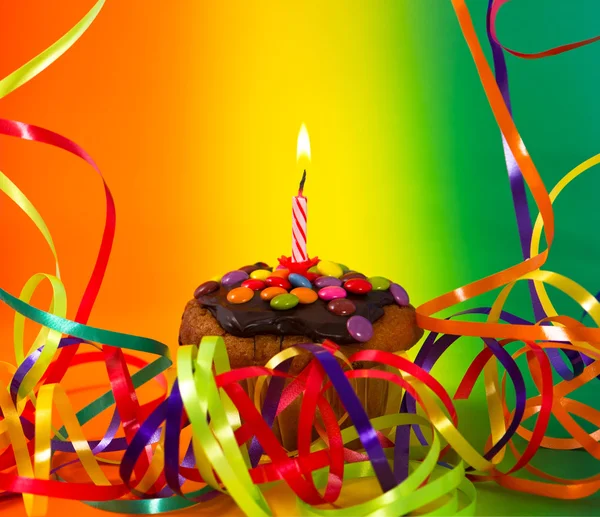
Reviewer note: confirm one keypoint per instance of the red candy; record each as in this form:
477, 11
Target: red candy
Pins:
311, 276
358, 286
277, 281
254, 283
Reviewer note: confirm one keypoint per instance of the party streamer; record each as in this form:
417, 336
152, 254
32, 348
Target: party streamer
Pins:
232, 451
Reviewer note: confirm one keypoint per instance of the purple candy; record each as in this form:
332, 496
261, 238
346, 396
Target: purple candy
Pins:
332, 292
234, 277
327, 281
400, 294
360, 328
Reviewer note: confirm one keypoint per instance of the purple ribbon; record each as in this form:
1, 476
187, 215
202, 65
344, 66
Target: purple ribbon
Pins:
269, 409
136, 447
520, 394
356, 411
173, 418
519, 195
107, 444
30, 360
171, 412
430, 352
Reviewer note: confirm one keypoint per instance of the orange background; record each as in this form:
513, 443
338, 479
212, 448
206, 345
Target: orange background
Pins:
192, 112
191, 109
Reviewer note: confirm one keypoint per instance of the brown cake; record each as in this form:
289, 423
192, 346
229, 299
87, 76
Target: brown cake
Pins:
259, 312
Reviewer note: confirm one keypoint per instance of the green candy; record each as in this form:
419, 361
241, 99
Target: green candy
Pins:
284, 302
345, 269
379, 283
313, 270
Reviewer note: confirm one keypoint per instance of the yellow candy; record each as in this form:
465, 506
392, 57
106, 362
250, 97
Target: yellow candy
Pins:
328, 268
305, 294
260, 274
217, 278
240, 295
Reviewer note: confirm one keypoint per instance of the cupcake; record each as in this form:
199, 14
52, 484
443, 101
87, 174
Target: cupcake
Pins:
260, 311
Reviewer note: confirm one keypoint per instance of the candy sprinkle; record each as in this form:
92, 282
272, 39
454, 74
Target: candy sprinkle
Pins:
284, 302
327, 281
261, 274
332, 292
400, 294
249, 269
277, 281
328, 268
360, 328
341, 307
254, 284
379, 283
351, 274
305, 295
358, 286
240, 295
206, 288
270, 292
298, 280
234, 277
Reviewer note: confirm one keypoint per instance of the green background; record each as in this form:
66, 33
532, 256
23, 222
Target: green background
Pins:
556, 108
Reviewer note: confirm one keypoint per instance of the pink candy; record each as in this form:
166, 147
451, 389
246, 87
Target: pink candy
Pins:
331, 293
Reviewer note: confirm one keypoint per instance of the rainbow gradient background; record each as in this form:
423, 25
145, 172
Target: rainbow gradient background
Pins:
192, 109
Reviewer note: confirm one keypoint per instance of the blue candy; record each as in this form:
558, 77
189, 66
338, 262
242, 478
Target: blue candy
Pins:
298, 280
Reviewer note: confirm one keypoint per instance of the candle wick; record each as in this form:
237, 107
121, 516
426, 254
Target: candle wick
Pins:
301, 188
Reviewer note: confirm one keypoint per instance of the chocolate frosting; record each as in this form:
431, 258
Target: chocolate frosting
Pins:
312, 320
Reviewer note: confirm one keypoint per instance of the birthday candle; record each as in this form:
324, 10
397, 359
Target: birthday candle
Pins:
299, 219
300, 203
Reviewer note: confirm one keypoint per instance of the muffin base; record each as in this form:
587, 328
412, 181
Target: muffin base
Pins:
395, 331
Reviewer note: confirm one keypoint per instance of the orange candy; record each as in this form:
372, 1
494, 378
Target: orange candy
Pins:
305, 294
283, 273
240, 295
271, 292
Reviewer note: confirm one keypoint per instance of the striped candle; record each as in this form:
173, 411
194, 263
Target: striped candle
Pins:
299, 219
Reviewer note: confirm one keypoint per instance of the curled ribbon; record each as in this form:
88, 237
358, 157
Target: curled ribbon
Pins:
573, 337
230, 448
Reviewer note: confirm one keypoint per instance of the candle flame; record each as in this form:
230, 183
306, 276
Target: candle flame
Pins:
303, 148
